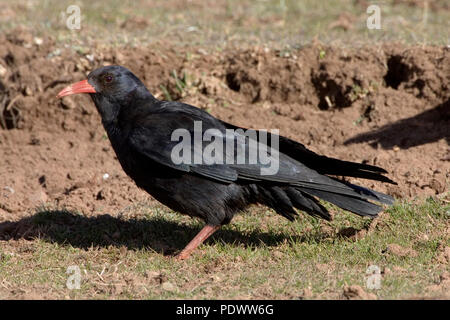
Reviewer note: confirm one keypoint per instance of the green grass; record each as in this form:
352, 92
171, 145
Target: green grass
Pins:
259, 255
278, 23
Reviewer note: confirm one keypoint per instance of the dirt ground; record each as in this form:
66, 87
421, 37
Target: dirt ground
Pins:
387, 105
311, 69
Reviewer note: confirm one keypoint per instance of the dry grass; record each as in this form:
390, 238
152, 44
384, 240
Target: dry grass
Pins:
277, 23
258, 256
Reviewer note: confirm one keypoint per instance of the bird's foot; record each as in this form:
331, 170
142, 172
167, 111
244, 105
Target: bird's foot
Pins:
207, 231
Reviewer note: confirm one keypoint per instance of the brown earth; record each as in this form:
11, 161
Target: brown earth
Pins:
387, 105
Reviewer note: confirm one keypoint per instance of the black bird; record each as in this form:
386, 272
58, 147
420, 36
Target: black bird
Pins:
140, 129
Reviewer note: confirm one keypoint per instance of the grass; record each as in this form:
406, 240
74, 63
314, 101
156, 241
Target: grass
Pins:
277, 23
259, 255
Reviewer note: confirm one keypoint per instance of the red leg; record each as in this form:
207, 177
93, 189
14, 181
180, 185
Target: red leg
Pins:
204, 234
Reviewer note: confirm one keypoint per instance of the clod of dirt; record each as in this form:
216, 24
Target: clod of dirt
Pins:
438, 185
400, 251
156, 277
100, 195
327, 230
345, 21
444, 255
306, 293
447, 253
355, 292
442, 285
352, 233
68, 103
137, 23
277, 254
20, 36
386, 271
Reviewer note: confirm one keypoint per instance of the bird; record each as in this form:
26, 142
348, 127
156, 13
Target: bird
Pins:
141, 130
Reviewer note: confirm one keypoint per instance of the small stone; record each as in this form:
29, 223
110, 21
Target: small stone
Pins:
54, 53
38, 41
11, 190
214, 278
151, 274
2, 71
167, 286
90, 57
28, 91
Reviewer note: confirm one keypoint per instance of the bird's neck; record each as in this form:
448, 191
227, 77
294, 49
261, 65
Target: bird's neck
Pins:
128, 112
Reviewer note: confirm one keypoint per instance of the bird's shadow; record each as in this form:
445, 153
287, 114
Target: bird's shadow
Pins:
163, 236
426, 127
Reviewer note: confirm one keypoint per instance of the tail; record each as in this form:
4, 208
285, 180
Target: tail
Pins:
323, 164
331, 166
347, 196
304, 195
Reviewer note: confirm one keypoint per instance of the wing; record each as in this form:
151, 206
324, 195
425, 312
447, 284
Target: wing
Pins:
326, 165
176, 127
161, 134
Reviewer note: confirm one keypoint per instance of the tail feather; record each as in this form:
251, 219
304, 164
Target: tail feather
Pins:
284, 199
276, 199
352, 204
323, 164
371, 194
349, 196
356, 199
307, 203
364, 175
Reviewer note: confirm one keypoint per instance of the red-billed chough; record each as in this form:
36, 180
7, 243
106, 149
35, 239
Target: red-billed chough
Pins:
141, 130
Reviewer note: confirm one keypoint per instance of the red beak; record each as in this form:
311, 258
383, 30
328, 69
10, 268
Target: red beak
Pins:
78, 87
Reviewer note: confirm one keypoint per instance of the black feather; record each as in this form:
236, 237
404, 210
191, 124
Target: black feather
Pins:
140, 127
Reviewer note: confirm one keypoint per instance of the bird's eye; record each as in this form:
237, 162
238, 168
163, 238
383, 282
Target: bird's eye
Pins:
108, 78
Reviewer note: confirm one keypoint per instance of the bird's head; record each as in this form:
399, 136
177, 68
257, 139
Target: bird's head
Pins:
110, 87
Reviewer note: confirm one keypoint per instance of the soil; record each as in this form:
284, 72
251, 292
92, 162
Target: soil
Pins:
356, 292
387, 105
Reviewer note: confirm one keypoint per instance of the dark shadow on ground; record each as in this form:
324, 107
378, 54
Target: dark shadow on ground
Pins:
429, 126
163, 236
